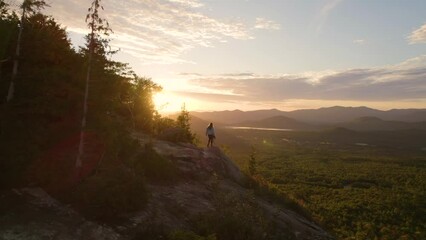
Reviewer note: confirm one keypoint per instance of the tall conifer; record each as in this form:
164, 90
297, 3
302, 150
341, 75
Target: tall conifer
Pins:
98, 26
28, 7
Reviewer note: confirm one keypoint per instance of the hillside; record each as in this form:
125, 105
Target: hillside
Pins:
208, 189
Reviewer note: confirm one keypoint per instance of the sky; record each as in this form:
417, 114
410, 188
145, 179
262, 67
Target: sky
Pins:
262, 54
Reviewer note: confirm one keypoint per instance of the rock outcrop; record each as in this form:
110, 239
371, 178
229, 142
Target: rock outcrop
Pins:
205, 172
32, 214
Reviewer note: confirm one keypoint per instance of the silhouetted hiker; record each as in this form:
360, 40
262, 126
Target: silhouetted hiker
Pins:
210, 133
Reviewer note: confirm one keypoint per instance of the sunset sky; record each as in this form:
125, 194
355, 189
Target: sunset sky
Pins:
258, 54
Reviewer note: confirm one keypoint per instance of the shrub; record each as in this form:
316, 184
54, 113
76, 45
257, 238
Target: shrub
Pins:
162, 123
173, 134
238, 217
154, 167
111, 192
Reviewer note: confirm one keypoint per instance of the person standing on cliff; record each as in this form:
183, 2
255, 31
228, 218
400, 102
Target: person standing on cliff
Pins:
211, 134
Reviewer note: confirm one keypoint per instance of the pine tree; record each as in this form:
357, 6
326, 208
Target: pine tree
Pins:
183, 122
28, 7
252, 163
7, 26
3, 9
98, 26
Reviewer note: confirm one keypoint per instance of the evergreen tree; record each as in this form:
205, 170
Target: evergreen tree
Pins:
8, 24
252, 163
45, 105
183, 122
3, 9
29, 8
96, 45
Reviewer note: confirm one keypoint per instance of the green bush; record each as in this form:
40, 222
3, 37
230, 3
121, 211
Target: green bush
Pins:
111, 192
162, 123
154, 167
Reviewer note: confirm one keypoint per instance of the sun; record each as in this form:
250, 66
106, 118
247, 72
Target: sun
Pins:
164, 102
167, 102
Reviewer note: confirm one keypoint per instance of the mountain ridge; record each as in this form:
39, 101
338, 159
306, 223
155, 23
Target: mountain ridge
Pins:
278, 122
323, 115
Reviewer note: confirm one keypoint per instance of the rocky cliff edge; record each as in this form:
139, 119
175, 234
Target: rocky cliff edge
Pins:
206, 176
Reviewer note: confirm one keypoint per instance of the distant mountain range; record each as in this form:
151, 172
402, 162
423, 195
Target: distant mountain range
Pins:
345, 114
279, 122
377, 124
357, 119
331, 115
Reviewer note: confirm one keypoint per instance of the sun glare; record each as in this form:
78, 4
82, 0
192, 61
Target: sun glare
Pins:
166, 102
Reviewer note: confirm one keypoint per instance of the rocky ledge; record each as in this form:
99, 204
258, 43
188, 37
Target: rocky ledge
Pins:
31, 213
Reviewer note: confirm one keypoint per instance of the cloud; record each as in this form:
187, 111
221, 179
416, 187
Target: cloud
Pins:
418, 35
244, 74
400, 82
262, 23
213, 97
325, 12
191, 3
235, 75
190, 74
154, 31
359, 41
